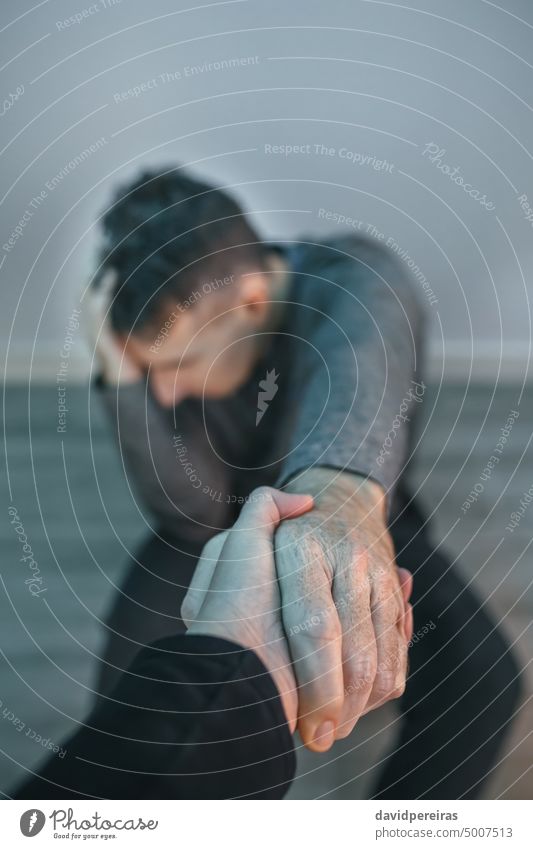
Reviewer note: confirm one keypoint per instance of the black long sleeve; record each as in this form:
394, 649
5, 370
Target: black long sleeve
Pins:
195, 717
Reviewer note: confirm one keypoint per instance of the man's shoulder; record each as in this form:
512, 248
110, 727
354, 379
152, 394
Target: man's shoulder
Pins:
310, 252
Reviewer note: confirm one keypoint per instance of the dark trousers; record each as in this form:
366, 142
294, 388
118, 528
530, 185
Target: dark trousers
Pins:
463, 685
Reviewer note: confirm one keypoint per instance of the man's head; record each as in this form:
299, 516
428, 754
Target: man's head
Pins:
193, 284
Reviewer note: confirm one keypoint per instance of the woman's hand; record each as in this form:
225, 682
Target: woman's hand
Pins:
234, 591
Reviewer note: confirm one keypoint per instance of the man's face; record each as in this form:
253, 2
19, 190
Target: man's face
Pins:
206, 345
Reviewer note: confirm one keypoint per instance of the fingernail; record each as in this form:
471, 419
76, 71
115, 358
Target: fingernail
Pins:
324, 736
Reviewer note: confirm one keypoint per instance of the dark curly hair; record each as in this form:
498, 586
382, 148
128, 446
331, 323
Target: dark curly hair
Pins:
165, 232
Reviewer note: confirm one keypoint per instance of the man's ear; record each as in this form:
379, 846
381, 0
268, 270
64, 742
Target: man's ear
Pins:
121, 339
255, 295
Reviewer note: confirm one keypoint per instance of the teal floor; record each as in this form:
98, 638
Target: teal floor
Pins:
82, 520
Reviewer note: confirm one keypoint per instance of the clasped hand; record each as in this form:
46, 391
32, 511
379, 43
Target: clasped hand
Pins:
328, 616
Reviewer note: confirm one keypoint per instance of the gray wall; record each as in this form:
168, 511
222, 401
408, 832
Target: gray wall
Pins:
372, 78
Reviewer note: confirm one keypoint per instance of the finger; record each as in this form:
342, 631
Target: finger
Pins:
396, 694
248, 547
266, 507
399, 692
246, 558
359, 650
406, 583
408, 623
407, 629
201, 578
388, 619
313, 633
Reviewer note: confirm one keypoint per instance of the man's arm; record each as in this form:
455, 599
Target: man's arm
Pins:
350, 447
361, 392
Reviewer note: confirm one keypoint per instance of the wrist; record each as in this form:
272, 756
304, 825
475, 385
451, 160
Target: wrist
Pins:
279, 670
226, 630
339, 491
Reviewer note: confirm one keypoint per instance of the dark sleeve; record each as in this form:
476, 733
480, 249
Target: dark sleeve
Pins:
195, 717
360, 393
160, 458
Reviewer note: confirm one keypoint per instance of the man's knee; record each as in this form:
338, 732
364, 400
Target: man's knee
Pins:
497, 685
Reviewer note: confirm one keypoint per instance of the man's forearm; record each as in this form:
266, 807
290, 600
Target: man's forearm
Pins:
356, 413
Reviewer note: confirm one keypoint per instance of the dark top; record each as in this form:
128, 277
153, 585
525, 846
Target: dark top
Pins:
195, 717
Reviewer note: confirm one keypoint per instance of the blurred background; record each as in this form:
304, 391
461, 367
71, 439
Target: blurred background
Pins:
408, 123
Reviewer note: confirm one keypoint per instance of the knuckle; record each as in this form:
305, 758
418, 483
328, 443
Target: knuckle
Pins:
327, 631
383, 595
261, 494
399, 691
330, 630
389, 588
362, 675
317, 625
386, 682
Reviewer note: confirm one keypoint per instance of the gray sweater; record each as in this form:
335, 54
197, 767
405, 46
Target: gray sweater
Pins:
337, 386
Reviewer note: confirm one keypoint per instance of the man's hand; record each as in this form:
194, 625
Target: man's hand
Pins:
114, 363
345, 604
234, 591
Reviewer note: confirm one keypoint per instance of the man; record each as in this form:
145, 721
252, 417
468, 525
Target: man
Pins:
208, 714
226, 363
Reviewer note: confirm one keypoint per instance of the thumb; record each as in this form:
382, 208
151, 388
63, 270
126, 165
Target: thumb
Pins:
267, 507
